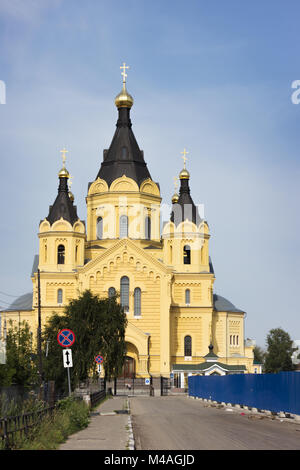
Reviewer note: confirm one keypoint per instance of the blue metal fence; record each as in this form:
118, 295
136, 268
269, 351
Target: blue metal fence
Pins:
274, 392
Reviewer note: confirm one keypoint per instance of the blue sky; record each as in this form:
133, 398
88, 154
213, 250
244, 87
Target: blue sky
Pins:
213, 77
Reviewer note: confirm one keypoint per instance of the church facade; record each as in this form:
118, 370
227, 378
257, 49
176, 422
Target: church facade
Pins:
164, 275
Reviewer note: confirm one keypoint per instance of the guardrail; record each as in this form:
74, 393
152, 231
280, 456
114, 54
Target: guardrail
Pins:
96, 397
14, 427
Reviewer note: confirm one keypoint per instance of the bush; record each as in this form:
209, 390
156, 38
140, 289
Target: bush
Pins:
70, 416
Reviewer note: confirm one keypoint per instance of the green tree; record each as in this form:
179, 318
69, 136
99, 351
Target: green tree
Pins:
279, 351
259, 354
99, 327
19, 369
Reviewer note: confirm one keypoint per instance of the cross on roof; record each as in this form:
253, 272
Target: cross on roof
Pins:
64, 151
124, 67
184, 156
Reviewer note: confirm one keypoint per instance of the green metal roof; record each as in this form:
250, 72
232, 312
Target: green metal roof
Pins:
206, 365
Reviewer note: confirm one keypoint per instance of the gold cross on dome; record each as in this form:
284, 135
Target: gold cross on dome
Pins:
64, 151
184, 157
124, 67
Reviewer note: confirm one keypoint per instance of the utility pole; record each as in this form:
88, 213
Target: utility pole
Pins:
39, 332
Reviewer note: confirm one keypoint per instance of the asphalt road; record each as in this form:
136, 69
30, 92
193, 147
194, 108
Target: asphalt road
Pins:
181, 423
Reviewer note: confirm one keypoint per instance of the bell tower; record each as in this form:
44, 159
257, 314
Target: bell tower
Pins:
123, 201
62, 233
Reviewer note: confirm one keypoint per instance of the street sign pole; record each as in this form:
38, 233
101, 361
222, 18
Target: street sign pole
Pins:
66, 338
67, 360
69, 381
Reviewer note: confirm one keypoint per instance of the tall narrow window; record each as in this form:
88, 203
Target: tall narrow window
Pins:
124, 153
111, 292
186, 254
59, 296
99, 228
187, 346
147, 228
125, 293
123, 226
187, 296
60, 254
137, 302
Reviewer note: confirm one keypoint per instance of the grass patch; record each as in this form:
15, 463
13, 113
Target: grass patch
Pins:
70, 416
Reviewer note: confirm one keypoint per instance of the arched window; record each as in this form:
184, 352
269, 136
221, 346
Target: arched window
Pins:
76, 253
99, 228
147, 228
187, 346
125, 293
60, 254
187, 296
186, 254
123, 226
111, 292
59, 296
137, 302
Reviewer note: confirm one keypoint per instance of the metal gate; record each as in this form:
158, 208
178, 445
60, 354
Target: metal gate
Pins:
165, 386
131, 386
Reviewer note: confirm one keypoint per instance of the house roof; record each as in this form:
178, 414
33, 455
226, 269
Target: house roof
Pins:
223, 305
24, 302
206, 365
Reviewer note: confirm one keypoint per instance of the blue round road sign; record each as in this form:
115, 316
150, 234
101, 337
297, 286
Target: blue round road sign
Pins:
99, 359
66, 338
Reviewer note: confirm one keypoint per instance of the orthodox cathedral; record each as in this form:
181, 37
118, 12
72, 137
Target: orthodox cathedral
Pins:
164, 276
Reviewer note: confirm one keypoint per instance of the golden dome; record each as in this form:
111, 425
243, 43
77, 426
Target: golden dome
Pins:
184, 174
175, 198
63, 173
71, 196
124, 99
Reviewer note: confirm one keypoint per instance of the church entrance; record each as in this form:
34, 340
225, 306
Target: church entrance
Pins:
128, 370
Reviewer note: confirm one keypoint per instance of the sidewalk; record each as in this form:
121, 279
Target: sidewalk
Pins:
107, 430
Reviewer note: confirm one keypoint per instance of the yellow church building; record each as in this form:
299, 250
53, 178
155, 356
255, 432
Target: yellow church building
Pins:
164, 275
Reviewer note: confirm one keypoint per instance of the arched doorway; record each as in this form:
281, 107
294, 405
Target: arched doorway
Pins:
128, 367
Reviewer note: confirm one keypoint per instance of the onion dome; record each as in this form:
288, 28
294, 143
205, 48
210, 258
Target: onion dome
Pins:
63, 173
175, 198
184, 174
124, 99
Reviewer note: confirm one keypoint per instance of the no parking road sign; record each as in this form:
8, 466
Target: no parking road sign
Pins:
99, 359
65, 338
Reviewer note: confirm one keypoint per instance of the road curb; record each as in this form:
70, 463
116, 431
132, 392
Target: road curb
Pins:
131, 445
290, 417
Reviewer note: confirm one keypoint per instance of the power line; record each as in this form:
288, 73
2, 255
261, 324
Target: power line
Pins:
9, 295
